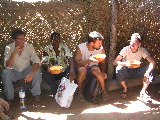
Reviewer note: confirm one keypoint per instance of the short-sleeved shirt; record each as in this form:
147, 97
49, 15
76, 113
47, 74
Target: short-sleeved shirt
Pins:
62, 59
86, 54
128, 55
21, 61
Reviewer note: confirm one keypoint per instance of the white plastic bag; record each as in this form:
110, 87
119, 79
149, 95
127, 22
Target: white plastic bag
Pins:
65, 91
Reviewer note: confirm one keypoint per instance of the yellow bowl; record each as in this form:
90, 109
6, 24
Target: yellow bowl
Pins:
100, 57
135, 64
55, 69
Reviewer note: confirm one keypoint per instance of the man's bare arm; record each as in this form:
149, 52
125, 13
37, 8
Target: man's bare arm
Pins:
78, 58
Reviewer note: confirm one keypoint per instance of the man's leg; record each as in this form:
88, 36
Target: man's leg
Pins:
123, 73
144, 88
50, 80
36, 81
95, 70
81, 75
123, 83
8, 77
124, 91
146, 81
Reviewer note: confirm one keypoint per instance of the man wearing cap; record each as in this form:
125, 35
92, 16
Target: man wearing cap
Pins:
87, 64
125, 70
57, 54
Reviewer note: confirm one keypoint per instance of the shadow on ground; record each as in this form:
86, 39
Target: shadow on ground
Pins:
114, 109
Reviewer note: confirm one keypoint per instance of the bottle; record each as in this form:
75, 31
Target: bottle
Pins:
22, 98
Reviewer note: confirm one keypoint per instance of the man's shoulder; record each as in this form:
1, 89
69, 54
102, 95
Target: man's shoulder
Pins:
82, 44
11, 44
126, 48
63, 44
142, 49
48, 47
28, 44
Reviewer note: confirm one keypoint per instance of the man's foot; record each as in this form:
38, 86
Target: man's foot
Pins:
105, 96
144, 97
38, 98
124, 93
80, 96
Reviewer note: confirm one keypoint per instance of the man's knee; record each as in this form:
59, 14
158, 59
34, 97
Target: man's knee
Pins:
82, 70
6, 71
81, 74
95, 70
5, 74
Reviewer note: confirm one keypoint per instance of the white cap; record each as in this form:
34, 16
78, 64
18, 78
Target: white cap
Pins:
135, 36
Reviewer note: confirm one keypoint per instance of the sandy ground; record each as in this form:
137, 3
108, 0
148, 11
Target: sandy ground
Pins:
115, 109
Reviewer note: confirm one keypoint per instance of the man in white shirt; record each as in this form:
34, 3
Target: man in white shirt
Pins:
89, 65
125, 70
18, 56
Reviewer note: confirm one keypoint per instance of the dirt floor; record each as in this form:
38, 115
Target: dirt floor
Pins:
115, 109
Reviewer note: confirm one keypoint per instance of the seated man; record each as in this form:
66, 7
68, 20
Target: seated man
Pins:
57, 54
87, 64
17, 62
125, 70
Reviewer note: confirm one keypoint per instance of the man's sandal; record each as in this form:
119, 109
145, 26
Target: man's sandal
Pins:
80, 96
105, 96
123, 95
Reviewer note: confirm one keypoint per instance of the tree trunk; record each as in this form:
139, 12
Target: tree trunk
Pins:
113, 40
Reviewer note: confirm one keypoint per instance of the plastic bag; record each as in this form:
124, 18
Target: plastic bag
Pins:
65, 91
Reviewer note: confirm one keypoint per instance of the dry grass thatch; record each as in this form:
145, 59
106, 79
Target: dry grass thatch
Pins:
74, 19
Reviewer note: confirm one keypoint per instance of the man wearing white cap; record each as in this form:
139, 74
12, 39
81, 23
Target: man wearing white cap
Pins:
128, 65
87, 64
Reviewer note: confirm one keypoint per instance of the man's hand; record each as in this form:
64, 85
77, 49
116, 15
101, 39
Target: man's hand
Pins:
146, 80
105, 75
71, 76
3, 104
29, 77
93, 59
18, 49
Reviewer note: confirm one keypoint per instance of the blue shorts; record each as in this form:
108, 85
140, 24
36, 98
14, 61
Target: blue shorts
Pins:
89, 71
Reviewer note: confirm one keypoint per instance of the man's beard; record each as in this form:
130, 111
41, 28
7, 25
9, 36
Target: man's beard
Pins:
96, 48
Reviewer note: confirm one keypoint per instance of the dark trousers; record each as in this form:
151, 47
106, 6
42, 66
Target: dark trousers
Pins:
51, 79
132, 73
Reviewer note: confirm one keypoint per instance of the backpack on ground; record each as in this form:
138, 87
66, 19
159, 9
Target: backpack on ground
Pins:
92, 90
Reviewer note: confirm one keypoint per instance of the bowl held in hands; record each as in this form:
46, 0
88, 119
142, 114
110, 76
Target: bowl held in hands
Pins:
100, 57
135, 64
55, 69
